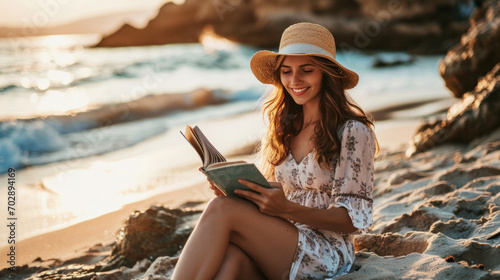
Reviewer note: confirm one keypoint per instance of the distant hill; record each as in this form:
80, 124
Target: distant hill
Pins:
105, 24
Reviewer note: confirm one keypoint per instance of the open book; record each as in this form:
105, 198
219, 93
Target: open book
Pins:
223, 174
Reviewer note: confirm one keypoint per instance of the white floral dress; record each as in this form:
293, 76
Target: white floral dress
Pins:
323, 254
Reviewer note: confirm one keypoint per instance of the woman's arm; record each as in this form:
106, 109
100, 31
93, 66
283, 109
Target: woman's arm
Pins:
332, 219
274, 203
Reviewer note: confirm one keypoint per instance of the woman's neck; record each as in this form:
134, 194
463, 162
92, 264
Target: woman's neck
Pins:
310, 115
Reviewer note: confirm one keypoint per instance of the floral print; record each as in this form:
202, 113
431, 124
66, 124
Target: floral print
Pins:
320, 253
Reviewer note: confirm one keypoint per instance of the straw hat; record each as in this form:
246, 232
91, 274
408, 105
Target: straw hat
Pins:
301, 39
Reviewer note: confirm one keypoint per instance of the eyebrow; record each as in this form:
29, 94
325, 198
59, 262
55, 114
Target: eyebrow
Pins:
299, 65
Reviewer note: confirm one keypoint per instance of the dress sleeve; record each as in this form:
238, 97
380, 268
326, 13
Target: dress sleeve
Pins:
353, 176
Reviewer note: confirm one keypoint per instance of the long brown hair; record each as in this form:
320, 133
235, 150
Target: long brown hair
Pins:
286, 118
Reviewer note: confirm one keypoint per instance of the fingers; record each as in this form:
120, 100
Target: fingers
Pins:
252, 186
276, 185
217, 192
255, 197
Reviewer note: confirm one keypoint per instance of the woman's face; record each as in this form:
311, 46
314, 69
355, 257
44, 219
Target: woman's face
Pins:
301, 79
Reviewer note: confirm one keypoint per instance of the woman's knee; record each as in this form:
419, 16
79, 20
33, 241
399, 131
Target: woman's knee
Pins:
227, 206
221, 208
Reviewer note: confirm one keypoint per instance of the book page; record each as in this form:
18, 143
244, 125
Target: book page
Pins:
192, 139
225, 163
211, 154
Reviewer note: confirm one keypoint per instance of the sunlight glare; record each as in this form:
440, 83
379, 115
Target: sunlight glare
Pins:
60, 77
212, 42
42, 84
93, 191
34, 98
57, 41
57, 102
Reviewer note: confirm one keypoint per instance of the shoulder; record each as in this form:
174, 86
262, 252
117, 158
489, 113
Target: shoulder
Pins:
354, 127
354, 133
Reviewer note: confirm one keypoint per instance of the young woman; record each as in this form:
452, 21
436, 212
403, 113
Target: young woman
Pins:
318, 154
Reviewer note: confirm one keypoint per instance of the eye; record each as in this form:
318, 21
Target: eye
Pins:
286, 71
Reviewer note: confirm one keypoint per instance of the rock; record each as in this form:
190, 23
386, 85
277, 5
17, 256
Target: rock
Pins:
161, 30
418, 26
161, 268
449, 259
476, 54
380, 61
475, 115
146, 236
20, 272
155, 232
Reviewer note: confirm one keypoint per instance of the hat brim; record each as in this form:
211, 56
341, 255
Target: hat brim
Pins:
263, 64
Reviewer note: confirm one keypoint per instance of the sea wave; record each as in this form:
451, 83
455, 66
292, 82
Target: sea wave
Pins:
19, 140
108, 128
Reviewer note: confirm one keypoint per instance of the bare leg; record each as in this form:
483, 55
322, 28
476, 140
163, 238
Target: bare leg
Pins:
269, 241
238, 265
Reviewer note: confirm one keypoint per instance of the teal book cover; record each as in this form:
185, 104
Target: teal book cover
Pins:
226, 177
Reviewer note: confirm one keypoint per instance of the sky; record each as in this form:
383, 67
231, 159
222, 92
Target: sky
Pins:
46, 13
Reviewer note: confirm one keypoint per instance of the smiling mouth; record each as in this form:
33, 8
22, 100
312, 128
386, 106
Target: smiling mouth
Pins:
299, 91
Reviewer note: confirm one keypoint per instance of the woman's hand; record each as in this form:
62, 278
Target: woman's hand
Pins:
270, 201
217, 192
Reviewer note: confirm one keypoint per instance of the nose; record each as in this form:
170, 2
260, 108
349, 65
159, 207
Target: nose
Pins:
296, 78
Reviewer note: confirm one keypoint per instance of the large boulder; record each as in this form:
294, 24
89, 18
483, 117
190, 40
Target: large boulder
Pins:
475, 115
418, 26
477, 52
155, 232
471, 72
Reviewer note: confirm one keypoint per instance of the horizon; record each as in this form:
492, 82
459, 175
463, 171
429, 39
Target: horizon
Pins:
29, 15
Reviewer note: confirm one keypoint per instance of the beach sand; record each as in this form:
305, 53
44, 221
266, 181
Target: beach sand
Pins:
442, 203
74, 241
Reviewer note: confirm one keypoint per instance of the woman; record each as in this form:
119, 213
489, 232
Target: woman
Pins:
318, 154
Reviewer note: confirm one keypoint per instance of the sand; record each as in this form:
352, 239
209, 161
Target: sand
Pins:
436, 216
75, 240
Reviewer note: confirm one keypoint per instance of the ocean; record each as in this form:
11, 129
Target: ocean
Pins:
88, 130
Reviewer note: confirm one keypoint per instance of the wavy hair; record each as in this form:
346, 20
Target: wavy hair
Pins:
285, 118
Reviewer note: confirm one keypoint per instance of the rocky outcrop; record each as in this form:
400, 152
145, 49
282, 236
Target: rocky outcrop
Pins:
418, 26
475, 115
471, 70
156, 232
173, 24
477, 53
